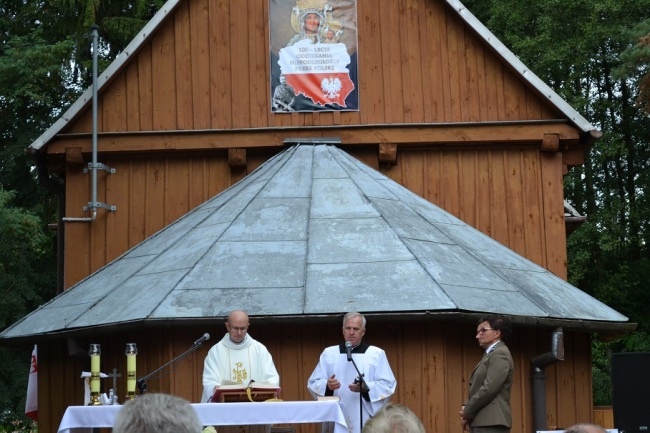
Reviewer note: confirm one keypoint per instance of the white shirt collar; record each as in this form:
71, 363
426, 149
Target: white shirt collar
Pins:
492, 346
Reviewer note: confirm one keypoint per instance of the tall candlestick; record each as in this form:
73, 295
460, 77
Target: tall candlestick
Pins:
131, 352
94, 352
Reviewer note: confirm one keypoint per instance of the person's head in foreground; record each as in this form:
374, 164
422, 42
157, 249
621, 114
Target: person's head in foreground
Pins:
585, 428
157, 413
394, 418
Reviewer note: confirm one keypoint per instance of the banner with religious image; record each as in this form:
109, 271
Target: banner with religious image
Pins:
313, 55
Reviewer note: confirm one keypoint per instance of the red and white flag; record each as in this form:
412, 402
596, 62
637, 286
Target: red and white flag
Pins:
318, 71
31, 404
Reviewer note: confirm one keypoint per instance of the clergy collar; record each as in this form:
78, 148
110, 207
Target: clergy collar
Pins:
227, 342
360, 348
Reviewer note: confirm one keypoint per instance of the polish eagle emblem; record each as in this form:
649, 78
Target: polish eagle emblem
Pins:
331, 87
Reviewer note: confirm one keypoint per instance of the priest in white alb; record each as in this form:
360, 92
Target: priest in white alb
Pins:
336, 376
237, 358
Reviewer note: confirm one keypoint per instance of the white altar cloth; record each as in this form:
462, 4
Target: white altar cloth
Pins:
78, 419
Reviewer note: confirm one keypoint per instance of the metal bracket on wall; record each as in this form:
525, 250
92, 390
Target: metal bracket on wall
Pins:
100, 166
96, 204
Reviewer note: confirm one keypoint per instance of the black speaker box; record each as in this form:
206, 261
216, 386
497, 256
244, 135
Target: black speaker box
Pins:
631, 392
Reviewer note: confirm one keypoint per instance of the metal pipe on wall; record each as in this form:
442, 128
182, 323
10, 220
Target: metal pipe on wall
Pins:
538, 377
94, 165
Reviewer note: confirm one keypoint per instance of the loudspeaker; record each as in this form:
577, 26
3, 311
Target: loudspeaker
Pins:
631, 392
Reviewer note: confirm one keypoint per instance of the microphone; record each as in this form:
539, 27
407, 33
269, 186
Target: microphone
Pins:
348, 348
200, 341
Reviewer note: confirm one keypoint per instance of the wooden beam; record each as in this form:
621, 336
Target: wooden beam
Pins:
387, 153
237, 158
551, 142
469, 134
74, 156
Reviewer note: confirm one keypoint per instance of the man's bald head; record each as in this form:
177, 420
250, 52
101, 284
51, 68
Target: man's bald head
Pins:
585, 428
237, 325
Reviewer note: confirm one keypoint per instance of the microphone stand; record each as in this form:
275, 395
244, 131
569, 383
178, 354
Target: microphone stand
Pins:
142, 382
362, 384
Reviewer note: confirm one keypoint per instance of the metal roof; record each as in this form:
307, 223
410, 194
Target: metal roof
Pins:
123, 59
313, 231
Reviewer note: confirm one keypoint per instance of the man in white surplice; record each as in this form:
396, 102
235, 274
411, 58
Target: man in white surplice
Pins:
238, 358
336, 376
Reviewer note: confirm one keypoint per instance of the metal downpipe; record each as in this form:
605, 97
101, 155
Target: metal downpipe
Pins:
538, 377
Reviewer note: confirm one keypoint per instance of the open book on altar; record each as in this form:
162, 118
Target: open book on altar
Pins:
254, 391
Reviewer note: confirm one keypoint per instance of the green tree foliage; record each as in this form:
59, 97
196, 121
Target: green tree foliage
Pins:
577, 46
635, 62
25, 283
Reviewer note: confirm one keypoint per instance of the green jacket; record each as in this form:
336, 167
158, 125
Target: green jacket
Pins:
489, 390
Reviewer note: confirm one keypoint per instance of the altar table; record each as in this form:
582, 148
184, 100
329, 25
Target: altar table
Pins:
77, 419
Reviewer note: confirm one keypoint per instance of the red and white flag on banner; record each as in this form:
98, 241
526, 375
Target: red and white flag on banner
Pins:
31, 404
318, 71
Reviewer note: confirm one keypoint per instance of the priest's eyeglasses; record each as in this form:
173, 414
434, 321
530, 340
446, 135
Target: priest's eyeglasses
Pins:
483, 330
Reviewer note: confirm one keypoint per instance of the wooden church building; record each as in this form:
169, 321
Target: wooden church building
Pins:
412, 170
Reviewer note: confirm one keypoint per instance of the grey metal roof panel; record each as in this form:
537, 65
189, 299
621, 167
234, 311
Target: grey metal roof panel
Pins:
249, 265
132, 301
358, 240
313, 231
372, 287
508, 302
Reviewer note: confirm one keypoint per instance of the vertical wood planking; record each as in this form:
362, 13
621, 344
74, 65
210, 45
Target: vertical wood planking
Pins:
164, 79
392, 12
114, 106
177, 187
428, 50
132, 98
413, 168
449, 181
532, 204
499, 198
553, 203
259, 61
137, 195
411, 65
154, 203
371, 97
474, 77
145, 88
467, 187
183, 63
220, 64
117, 194
200, 55
240, 71
515, 201
484, 215
77, 240
491, 77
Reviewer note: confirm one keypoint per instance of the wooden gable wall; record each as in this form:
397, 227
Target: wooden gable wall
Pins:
207, 67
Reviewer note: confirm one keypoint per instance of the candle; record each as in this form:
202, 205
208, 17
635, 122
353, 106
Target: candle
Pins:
131, 352
94, 352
